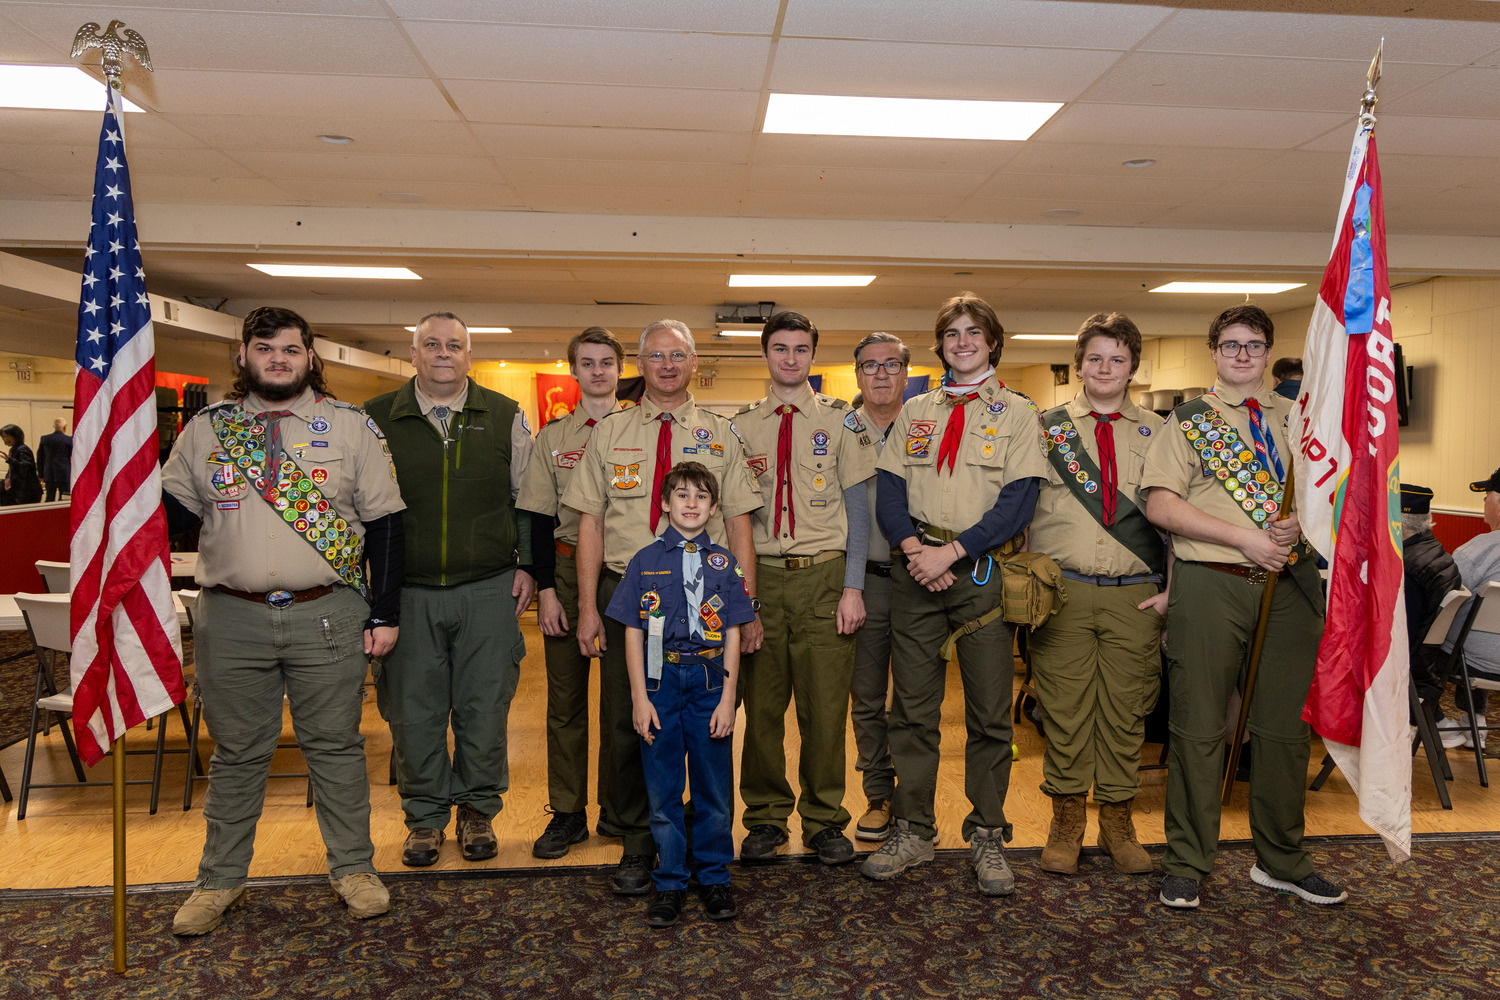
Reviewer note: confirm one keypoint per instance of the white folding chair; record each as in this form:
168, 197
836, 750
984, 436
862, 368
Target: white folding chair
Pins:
57, 577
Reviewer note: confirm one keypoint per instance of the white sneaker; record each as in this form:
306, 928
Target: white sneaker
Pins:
1455, 732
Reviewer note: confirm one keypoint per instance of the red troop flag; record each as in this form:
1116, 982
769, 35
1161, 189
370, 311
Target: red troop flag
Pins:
556, 396
127, 650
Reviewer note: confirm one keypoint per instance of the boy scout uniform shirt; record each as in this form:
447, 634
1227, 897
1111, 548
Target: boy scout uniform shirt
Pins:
613, 478
559, 447
831, 451
1063, 528
246, 544
653, 582
1002, 443
1172, 463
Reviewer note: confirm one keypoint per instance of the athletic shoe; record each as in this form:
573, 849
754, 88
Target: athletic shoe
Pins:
1314, 888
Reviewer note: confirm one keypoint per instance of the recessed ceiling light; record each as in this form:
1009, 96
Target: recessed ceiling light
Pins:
800, 280
52, 88
1062, 213
906, 117
337, 140
475, 329
1044, 336
1228, 287
1144, 161
336, 271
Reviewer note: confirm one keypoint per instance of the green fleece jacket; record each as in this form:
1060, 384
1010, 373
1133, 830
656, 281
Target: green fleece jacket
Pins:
460, 522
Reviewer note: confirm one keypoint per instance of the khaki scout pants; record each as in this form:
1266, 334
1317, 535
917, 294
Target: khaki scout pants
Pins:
806, 660
1211, 620
250, 655
568, 708
1096, 666
920, 622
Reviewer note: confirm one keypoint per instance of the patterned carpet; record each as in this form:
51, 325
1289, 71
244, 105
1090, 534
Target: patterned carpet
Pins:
1427, 931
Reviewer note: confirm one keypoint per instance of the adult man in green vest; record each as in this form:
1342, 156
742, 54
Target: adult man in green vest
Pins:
460, 451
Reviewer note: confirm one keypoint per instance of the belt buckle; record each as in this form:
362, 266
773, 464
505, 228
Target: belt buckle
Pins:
280, 598
1257, 575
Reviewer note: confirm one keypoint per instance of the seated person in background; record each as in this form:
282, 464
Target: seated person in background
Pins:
1478, 562
682, 601
1286, 375
1430, 575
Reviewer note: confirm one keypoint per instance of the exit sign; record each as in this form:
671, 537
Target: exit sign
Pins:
705, 381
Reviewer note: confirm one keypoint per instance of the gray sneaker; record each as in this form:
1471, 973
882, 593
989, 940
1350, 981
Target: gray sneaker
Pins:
987, 851
901, 850
204, 910
1179, 892
1314, 888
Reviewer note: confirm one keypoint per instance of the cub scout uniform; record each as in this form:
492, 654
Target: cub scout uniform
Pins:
1207, 454
805, 454
284, 490
613, 480
1000, 442
1096, 663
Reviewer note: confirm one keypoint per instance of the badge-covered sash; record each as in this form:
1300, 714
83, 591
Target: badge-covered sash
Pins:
1082, 476
293, 494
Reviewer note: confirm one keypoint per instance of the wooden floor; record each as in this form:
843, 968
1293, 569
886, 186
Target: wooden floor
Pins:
65, 839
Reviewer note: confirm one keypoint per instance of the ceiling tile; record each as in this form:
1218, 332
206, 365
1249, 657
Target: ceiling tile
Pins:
1252, 218
630, 200
604, 107
826, 205
13, 186
1468, 93
382, 135
80, 129
1007, 22
1433, 136
1028, 211
1039, 156
165, 188
527, 173
360, 193
18, 45
1119, 184
1122, 123
1325, 36
645, 145
862, 151
202, 92
744, 16
866, 181
334, 164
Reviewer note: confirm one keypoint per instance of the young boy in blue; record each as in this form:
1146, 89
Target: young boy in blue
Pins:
682, 601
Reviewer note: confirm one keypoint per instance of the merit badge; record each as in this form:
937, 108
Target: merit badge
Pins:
320, 476
819, 482
318, 425
626, 477
1091, 487
300, 524
853, 422
718, 560
702, 434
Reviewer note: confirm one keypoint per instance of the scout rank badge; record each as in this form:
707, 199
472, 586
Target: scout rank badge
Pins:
626, 477
1060, 438
919, 438
988, 448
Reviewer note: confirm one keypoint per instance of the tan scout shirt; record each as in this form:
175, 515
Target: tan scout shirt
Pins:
1063, 528
245, 543
613, 478
1002, 443
1172, 463
559, 446
831, 451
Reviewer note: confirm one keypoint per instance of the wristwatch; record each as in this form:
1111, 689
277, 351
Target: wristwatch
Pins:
755, 604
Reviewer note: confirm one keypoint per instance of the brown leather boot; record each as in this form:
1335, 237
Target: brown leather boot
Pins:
1065, 837
1117, 838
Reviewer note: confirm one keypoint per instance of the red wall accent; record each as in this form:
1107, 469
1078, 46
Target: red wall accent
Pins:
1455, 529
31, 533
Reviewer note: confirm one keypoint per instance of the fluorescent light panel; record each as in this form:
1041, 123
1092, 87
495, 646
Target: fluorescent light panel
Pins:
906, 117
741, 332
800, 280
53, 88
1044, 336
475, 329
337, 271
1228, 287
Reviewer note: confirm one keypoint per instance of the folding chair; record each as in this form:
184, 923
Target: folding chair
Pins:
189, 599
1424, 713
47, 619
57, 577
1484, 618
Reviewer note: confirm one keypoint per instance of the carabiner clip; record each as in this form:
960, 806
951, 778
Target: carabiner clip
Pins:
989, 567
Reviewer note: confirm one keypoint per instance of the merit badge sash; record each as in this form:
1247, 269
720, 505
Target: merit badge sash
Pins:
1084, 480
294, 495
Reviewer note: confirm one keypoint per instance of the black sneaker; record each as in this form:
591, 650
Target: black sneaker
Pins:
632, 876
665, 908
563, 831
1314, 888
833, 847
718, 901
761, 842
1179, 893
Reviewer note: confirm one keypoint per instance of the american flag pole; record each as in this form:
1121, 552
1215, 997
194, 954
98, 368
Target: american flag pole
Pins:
126, 662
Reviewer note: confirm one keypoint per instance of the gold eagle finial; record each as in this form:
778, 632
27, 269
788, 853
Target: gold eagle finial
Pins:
113, 44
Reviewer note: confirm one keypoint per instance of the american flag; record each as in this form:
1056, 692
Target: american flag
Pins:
127, 650
1348, 501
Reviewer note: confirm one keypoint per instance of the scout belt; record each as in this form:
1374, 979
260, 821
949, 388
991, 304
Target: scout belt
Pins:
292, 494
1081, 475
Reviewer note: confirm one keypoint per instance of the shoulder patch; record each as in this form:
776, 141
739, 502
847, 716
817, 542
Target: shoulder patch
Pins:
370, 423
524, 425
853, 422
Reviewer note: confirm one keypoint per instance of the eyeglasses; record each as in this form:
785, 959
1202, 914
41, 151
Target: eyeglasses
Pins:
657, 357
1254, 349
892, 367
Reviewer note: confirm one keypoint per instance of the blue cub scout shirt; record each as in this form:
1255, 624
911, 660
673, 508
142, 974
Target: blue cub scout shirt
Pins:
653, 583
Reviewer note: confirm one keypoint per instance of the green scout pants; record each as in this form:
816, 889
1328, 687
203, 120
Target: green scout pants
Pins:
628, 804
251, 655
456, 662
804, 659
920, 622
867, 691
568, 707
1096, 666
1211, 621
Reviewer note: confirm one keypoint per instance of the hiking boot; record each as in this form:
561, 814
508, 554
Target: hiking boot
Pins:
901, 850
1065, 836
363, 893
632, 875
833, 847
1117, 838
1314, 888
1179, 893
665, 908
987, 851
761, 842
875, 824
204, 910
476, 837
563, 831
421, 847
